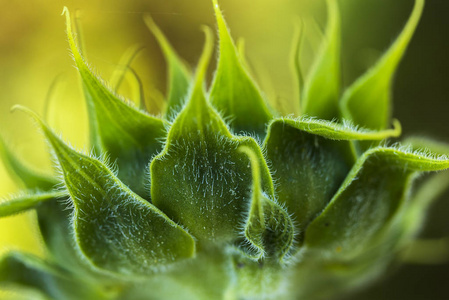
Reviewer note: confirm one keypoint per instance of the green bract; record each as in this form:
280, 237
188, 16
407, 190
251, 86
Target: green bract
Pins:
260, 206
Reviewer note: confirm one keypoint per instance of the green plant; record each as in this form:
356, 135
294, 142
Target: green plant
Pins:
261, 206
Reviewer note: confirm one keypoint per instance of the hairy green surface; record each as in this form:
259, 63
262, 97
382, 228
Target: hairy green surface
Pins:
220, 198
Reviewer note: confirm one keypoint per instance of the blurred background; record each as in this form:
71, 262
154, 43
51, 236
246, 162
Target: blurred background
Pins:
34, 53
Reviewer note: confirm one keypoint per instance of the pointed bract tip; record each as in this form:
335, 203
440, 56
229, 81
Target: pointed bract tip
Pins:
68, 19
417, 11
26, 110
254, 161
18, 107
162, 40
206, 29
207, 53
65, 11
419, 8
148, 19
217, 9
209, 42
30, 113
397, 128
245, 149
71, 37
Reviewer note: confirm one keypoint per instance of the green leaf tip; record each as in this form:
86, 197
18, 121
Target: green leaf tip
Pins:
21, 203
31, 178
66, 13
30, 113
203, 64
269, 230
178, 73
256, 202
368, 101
338, 131
322, 86
18, 107
129, 136
233, 92
42, 125
255, 169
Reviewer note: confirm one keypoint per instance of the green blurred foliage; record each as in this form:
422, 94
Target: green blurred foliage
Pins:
33, 52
